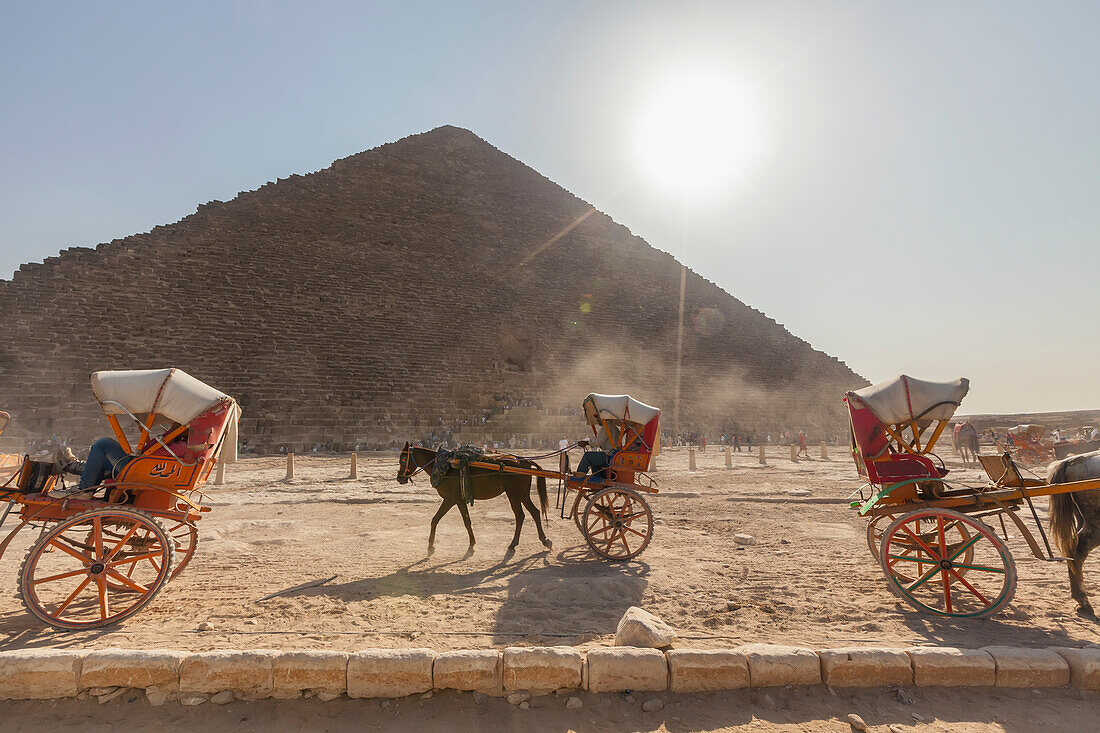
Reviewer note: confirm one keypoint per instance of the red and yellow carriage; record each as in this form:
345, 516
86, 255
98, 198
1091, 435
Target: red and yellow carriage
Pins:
103, 554
1027, 445
933, 539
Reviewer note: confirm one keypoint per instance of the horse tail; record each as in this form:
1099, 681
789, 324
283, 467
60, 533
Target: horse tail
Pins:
544, 502
1065, 519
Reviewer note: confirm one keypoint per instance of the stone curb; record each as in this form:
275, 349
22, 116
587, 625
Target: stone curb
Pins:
220, 676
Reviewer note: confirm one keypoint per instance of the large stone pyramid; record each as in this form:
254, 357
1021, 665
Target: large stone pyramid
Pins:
431, 281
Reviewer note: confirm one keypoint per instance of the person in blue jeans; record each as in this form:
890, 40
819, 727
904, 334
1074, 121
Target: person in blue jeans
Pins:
106, 458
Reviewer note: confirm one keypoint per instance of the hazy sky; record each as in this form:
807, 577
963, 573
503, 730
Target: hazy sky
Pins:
924, 195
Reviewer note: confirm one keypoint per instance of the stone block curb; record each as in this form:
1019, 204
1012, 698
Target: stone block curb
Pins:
194, 678
772, 665
247, 673
622, 668
478, 670
950, 667
542, 669
865, 667
389, 672
702, 670
1084, 666
1020, 667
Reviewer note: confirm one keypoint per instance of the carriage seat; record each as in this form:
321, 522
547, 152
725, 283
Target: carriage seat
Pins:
895, 467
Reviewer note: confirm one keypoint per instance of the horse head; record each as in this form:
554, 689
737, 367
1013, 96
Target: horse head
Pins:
407, 467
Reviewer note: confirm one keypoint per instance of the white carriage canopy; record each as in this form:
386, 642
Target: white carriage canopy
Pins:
172, 393
617, 407
1035, 431
904, 399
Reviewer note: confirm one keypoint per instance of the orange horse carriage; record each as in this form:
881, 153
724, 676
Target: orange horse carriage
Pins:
104, 553
1028, 446
934, 540
608, 505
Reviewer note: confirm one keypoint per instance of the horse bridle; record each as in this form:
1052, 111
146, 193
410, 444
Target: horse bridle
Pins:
417, 469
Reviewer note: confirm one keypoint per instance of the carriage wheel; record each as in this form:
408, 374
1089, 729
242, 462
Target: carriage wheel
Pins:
929, 564
1028, 457
617, 523
185, 537
955, 536
874, 532
71, 584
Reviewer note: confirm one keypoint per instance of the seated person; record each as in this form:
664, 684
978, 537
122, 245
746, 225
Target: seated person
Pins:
106, 459
597, 456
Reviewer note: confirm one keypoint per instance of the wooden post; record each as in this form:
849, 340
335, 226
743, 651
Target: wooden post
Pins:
729, 457
354, 465
691, 459
763, 461
794, 452
289, 466
219, 479
824, 451
653, 465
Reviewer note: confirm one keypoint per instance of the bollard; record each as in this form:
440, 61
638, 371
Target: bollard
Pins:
219, 480
824, 451
762, 459
289, 466
794, 452
729, 457
691, 459
354, 465
653, 464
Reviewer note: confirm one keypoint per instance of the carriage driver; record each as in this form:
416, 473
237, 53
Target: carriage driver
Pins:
106, 459
597, 455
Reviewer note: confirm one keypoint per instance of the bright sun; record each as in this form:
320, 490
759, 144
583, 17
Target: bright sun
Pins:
697, 135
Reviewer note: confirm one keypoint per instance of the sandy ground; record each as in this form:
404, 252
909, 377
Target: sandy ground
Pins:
957, 711
809, 579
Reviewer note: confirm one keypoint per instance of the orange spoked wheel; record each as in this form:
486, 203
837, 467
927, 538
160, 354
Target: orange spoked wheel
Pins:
185, 537
617, 523
96, 568
947, 563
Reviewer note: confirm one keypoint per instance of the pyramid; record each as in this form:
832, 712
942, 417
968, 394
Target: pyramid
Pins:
433, 281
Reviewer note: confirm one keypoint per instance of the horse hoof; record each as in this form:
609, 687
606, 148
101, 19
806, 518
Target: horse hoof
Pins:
1086, 612
548, 544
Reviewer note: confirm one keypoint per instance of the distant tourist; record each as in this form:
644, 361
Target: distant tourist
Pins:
802, 444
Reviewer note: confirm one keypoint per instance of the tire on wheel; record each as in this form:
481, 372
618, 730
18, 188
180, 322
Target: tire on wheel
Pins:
617, 523
947, 563
79, 576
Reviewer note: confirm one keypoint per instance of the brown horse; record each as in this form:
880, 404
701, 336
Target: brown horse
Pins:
485, 484
1075, 520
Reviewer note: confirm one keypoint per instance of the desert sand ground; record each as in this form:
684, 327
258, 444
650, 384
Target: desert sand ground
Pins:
809, 579
956, 711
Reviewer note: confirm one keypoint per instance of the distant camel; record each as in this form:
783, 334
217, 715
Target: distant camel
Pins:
966, 443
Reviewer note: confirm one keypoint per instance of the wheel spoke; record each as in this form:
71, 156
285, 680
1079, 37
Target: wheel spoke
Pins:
967, 546
969, 587
104, 606
75, 593
947, 591
631, 529
59, 576
125, 538
923, 579
78, 555
920, 543
138, 558
982, 568
127, 581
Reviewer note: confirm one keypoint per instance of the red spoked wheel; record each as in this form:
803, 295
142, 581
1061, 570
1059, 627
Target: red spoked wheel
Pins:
947, 563
955, 536
1028, 456
617, 523
96, 568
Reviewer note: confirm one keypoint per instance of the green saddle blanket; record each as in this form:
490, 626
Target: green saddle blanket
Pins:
457, 460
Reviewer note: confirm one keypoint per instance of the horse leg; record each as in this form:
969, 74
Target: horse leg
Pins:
534, 512
517, 509
1076, 568
465, 510
443, 509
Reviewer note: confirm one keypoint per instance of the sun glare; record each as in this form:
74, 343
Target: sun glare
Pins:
697, 135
